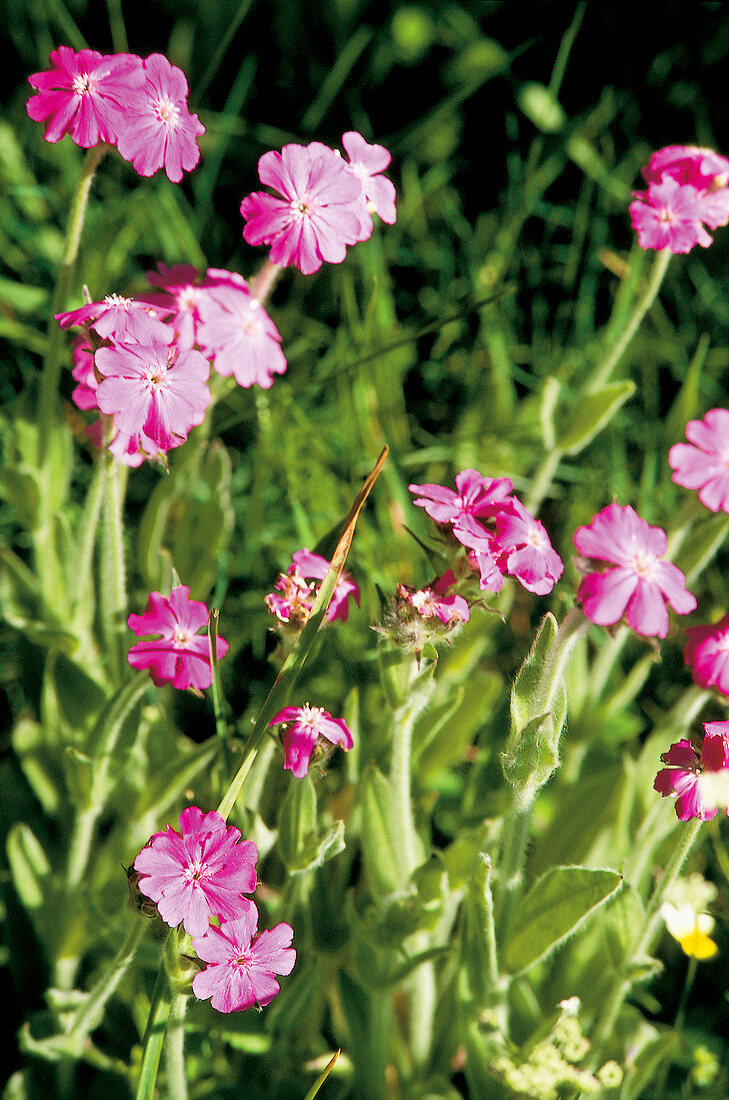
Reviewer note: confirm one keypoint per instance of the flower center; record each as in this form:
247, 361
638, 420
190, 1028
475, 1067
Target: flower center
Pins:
181, 637
196, 872
302, 207
188, 297
666, 216
644, 565
312, 716
118, 300
167, 112
82, 84
243, 960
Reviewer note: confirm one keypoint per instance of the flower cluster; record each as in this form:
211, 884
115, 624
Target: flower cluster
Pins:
180, 656
303, 726
498, 532
139, 106
293, 599
636, 581
687, 191
146, 361
199, 874
700, 780
424, 616
323, 203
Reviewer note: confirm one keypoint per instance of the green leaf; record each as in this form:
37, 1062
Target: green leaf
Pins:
593, 411
477, 973
297, 821
29, 866
526, 695
701, 545
379, 843
555, 906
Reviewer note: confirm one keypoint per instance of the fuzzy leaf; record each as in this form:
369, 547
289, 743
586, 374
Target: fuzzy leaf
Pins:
593, 411
557, 903
378, 833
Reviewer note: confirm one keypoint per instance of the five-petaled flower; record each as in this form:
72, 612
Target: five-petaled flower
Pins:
687, 190
638, 581
703, 462
242, 964
474, 496
198, 873
700, 780
181, 656
318, 211
303, 727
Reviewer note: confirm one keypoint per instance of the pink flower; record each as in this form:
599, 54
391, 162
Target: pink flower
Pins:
527, 551
700, 781
707, 654
318, 215
84, 95
640, 580
296, 600
160, 130
180, 293
84, 395
703, 169
235, 328
669, 215
303, 727
490, 566
124, 320
242, 965
436, 601
314, 566
705, 465
181, 656
154, 390
199, 872
476, 496
366, 162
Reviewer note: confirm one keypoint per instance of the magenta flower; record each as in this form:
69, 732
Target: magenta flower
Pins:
707, 654
701, 782
639, 581
84, 395
366, 162
84, 94
490, 566
314, 567
124, 320
242, 964
154, 390
304, 725
199, 872
235, 328
528, 553
318, 213
705, 465
436, 601
703, 169
181, 656
160, 131
476, 496
669, 215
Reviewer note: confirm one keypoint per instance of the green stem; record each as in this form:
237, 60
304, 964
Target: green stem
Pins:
602, 373
83, 590
542, 480
48, 393
677, 1026
113, 589
220, 706
159, 1012
175, 1049
644, 944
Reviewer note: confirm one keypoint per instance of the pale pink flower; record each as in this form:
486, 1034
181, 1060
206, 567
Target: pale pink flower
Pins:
304, 725
124, 320
84, 94
438, 601
523, 543
198, 873
701, 781
160, 130
242, 964
707, 654
476, 496
490, 566
669, 215
181, 656
295, 601
638, 581
366, 162
314, 567
153, 390
318, 213
235, 329
705, 465
181, 289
